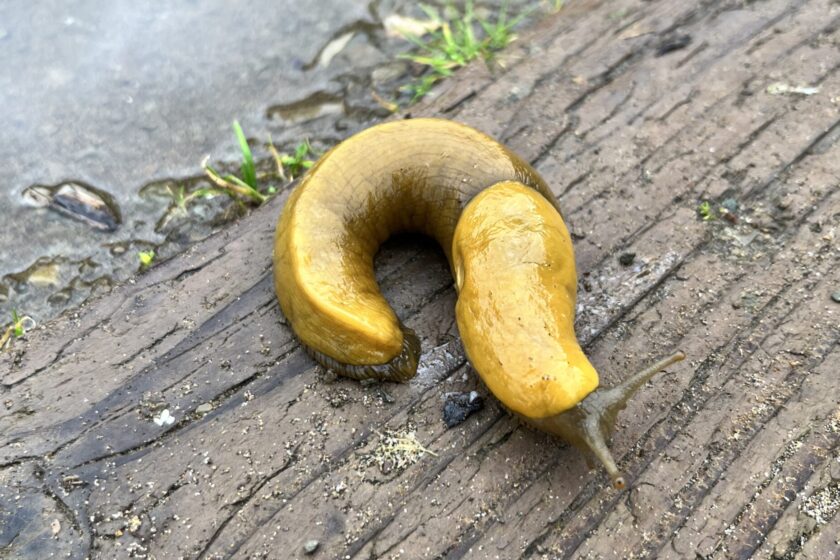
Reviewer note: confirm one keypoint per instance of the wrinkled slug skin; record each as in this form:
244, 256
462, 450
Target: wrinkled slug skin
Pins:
409, 175
515, 274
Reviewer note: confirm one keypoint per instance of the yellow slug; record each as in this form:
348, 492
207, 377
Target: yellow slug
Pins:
509, 250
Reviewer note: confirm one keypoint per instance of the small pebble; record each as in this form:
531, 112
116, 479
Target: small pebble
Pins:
784, 202
204, 408
310, 546
386, 397
626, 259
164, 418
836, 296
730, 204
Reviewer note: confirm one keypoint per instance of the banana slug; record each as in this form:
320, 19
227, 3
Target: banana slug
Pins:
507, 245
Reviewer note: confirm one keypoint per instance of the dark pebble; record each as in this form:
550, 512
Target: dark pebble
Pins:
626, 259
836, 296
457, 406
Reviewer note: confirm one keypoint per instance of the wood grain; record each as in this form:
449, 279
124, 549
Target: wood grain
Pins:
733, 454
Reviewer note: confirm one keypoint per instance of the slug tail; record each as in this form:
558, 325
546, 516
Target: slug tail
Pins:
401, 368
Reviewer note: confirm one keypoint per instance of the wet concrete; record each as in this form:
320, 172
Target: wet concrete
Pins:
129, 97
120, 94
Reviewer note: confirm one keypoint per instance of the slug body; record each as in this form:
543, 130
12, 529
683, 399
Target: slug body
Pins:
516, 281
414, 175
507, 245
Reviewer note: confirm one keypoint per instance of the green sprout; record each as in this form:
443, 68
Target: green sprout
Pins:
17, 324
241, 188
420, 87
20, 324
500, 34
249, 172
182, 198
146, 257
246, 187
295, 163
456, 44
704, 210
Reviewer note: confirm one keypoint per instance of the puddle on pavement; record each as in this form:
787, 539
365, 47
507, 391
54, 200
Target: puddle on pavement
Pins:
64, 240
79, 201
319, 104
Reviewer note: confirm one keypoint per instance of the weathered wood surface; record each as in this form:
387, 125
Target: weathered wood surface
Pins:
733, 454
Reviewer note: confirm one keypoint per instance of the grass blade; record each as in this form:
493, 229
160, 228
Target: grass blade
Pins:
249, 172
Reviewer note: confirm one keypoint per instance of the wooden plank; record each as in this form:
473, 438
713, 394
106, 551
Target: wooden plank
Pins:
726, 454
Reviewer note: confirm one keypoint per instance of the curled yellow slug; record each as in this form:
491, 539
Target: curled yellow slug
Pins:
507, 245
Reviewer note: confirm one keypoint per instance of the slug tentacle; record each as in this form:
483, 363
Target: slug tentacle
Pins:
589, 425
615, 398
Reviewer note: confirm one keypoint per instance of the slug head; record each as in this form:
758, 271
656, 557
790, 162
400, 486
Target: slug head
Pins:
589, 425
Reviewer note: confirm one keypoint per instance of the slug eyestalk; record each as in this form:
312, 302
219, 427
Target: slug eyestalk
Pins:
589, 425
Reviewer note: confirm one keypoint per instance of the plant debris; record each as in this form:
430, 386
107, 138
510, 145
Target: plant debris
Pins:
779, 88
408, 27
396, 451
822, 505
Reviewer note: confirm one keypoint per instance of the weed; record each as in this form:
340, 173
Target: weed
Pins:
249, 171
457, 43
146, 257
20, 324
704, 210
17, 324
181, 198
296, 163
247, 187
500, 34
241, 188
420, 87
